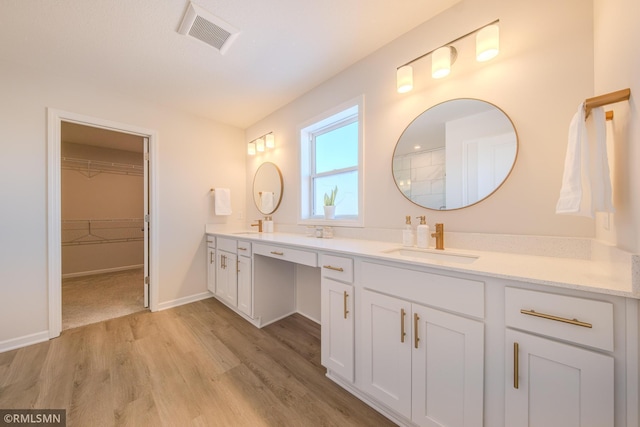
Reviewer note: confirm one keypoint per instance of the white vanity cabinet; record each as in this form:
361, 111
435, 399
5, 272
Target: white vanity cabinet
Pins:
227, 272
423, 363
558, 383
337, 311
211, 264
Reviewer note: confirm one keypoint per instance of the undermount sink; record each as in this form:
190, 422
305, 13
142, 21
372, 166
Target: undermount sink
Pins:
432, 255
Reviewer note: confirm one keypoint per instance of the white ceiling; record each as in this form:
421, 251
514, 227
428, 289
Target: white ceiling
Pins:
285, 48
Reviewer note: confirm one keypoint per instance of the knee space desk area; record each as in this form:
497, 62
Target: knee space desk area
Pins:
473, 338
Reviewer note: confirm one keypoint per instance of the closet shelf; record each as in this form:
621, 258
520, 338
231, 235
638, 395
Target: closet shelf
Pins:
99, 231
91, 168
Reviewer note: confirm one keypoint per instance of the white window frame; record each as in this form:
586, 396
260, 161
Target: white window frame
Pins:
325, 120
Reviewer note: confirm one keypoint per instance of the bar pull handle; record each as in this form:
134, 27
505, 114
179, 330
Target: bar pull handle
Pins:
238, 265
241, 249
346, 295
222, 260
557, 319
416, 338
516, 365
277, 253
212, 258
402, 332
330, 267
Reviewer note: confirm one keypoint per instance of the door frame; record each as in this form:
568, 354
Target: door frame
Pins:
55, 118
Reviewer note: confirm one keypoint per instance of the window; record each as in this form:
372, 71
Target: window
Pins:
331, 156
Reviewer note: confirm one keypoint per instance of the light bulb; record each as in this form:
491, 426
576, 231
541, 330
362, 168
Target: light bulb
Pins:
404, 79
487, 43
441, 62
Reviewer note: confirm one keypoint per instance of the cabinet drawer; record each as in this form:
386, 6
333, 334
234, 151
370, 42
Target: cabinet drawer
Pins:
337, 267
225, 244
244, 248
286, 254
578, 320
447, 292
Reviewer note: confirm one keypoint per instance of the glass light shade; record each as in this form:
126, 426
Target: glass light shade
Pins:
487, 43
259, 145
270, 141
404, 79
441, 62
251, 149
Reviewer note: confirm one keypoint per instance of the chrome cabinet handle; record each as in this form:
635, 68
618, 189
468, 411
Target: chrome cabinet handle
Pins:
557, 319
330, 267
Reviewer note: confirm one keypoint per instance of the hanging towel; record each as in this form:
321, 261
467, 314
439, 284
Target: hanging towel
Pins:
266, 202
601, 193
575, 193
222, 201
586, 183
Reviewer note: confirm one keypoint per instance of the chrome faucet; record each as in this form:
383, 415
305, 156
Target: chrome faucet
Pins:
258, 224
439, 235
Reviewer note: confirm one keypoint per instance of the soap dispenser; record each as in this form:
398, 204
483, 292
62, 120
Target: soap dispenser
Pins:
423, 232
407, 233
268, 224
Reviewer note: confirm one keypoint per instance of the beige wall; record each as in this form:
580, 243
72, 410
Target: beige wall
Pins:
544, 70
617, 66
193, 154
100, 196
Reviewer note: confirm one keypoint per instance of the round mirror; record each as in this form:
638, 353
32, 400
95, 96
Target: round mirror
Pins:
455, 154
267, 188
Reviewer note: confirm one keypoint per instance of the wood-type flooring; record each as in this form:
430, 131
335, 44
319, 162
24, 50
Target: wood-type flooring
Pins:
195, 365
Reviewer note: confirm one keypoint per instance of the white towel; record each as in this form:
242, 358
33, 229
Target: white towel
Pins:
266, 202
586, 184
222, 201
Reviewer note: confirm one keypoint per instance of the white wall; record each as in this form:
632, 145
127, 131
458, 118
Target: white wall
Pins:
193, 155
544, 70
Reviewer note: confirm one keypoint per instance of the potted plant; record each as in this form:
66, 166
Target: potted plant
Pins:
330, 203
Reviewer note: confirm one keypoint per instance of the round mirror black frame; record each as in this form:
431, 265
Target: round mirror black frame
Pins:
456, 112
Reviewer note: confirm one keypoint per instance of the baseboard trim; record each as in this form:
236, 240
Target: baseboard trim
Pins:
104, 270
184, 300
24, 341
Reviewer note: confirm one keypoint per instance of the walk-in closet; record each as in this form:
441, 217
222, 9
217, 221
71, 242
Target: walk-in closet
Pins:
102, 229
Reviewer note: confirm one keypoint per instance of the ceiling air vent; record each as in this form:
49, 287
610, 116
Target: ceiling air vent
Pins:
202, 25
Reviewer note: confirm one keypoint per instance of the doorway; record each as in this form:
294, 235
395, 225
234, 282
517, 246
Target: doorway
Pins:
98, 243
102, 203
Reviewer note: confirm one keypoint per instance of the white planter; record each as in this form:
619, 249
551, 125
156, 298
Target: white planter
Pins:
329, 212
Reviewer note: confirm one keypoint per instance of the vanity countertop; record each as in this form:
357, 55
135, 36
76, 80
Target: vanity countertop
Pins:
607, 276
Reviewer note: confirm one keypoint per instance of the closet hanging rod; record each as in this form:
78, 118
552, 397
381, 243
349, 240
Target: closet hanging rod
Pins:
606, 99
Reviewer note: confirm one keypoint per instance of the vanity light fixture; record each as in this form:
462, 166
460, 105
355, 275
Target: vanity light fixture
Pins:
259, 145
487, 47
441, 61
270, 141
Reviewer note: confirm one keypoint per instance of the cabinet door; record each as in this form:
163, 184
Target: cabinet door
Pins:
226, 277
337, 328
448, 369
558, 385
211, 269
245, 288
386, 350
